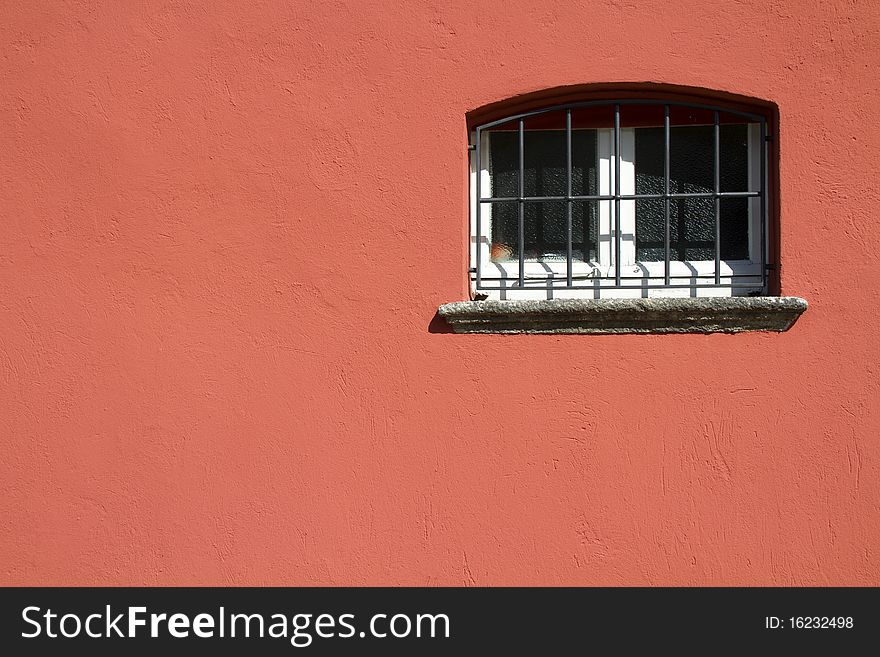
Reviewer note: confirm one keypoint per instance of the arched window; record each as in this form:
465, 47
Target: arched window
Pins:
639, 196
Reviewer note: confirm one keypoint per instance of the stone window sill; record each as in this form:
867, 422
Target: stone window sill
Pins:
653, 315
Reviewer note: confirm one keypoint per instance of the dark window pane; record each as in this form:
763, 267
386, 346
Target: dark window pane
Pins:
650, 231
545, 175
543, 162
734, 158
504, 163
691, 158
544, 155
545, 231
692, 229
734, 228
504, 231
650, 216
691, 221
649, 161
585, 230
584, 162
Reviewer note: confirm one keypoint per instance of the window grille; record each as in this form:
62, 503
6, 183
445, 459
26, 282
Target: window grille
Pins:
666, 198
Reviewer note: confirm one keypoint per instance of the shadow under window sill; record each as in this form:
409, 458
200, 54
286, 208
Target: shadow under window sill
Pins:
653, 315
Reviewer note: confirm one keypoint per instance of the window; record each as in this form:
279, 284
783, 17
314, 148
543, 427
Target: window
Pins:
640, 214
638, 197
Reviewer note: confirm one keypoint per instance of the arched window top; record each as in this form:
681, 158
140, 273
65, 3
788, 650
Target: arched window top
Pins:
642, 93
637, 192
694, 112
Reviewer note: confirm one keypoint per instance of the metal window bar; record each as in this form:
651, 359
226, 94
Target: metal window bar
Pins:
764, 205
617, 197
666, 149
521, 220
623, 197
717, 167
569, 266
479, 235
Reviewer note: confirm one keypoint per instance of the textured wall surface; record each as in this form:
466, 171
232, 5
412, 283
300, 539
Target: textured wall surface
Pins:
225, 229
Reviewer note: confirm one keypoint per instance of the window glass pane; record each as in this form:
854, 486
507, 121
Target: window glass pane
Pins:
647, 121
692, 229
544, 224
734, 158
545, 231
691, 158
692, 221
734, 229
543, 161
504, 163
585, 123
650, 231
504, 231
585, 230
544, 155
583, 159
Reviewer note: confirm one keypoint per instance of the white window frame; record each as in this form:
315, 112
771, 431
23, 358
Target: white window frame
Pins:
547, 279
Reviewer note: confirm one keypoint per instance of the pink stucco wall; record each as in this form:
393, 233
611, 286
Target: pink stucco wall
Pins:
226, 227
